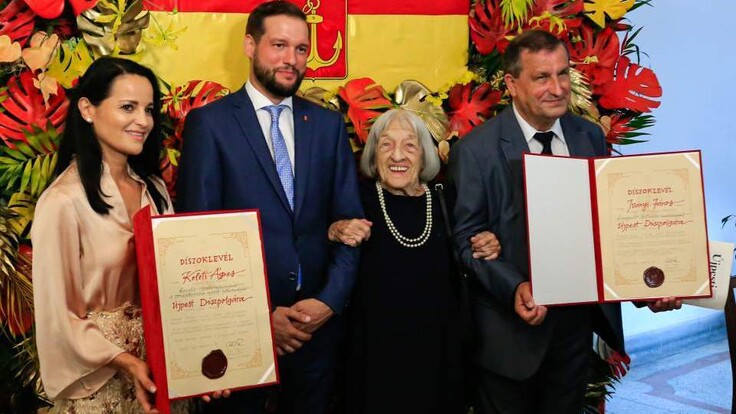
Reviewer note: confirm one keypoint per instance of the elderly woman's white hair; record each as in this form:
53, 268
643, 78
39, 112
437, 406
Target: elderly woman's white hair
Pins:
409, 120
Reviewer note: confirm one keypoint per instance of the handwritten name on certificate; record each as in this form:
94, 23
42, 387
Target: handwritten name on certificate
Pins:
652, 233
213, 302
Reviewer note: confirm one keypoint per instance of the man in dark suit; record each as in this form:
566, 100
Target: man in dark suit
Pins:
529, 359
264, 148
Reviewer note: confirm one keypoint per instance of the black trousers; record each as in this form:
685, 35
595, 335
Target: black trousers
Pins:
558, 386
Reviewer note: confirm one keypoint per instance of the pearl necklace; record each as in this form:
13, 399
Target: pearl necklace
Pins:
403, 240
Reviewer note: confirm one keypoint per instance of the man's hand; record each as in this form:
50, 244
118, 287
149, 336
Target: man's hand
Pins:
318, 312
526, 308
485, 246
287, 336
350, 232
665, 304
216, 395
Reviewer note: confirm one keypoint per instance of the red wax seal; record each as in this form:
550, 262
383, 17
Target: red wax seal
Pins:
653, 277
214, 364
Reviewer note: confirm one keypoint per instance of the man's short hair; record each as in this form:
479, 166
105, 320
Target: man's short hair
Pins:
533, 41
270, 8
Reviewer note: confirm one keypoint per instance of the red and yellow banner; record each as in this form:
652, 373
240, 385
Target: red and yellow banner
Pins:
389, 41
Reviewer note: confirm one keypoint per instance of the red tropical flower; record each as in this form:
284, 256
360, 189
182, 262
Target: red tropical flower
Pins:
51, 9
617, 127
565, 11
365, 99
619, 363
182, 99
487, 28
24, 108
170, 172
193, 94
470, 106
18, 323
560, 8
14, 313
177, 104
16, 21
632, 88
596, 55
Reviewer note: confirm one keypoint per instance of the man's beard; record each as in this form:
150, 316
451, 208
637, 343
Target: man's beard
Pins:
267, 78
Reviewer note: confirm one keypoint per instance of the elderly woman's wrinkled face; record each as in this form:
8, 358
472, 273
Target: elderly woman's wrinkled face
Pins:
399, 159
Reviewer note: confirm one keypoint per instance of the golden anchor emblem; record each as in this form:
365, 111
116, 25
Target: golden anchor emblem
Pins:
314, 60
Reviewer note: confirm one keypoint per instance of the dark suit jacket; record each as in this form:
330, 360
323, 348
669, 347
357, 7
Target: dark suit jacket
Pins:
486, 172
226, 164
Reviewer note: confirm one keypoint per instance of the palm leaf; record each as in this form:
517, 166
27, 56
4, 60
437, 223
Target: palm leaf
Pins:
8, 245
515, 11
29, 166
16, 291
730, 217
581, 95
411, 95
640, 3
27, 369
23, 205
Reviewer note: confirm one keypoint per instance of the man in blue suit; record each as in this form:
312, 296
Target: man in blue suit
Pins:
529, 359
264, 148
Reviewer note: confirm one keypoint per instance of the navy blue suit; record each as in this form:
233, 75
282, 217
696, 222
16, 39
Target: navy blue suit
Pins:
226, 165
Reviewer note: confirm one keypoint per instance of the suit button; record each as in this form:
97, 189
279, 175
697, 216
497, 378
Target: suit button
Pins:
296, 239
292, 276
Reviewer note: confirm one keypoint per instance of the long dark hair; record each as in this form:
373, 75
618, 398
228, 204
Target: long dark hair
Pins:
79, 139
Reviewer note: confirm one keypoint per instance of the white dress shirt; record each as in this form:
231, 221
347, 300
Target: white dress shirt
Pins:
559, 146
286, 119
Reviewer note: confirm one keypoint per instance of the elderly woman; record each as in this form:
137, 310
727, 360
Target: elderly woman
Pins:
404, 351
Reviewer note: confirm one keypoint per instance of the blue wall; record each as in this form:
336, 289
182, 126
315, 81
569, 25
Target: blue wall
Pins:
692, 49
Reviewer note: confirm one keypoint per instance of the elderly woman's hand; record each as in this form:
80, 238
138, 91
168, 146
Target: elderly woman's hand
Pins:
350, 232
485, 246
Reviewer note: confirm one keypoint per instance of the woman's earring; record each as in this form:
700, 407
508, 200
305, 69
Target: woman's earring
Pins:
89, 120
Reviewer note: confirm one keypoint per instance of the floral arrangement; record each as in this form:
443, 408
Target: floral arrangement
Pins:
45, 45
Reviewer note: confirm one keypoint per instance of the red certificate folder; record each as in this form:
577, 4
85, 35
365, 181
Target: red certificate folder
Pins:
616, 229
206, 310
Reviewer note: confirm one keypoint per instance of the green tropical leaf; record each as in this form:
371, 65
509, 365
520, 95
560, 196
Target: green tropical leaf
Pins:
515, 11
30, 164
24, 206
8, 245
640, 3
25, 179
71, 61
628, 141
727, 219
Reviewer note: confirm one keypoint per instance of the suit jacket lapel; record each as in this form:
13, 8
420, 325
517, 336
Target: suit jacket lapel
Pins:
248, 121
512, 142
578, 142
303, 137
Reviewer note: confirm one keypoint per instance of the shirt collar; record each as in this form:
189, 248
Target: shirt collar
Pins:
529, 130
131, 173
260, 100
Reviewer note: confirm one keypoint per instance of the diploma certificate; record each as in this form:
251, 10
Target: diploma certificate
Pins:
616, 229
205, 302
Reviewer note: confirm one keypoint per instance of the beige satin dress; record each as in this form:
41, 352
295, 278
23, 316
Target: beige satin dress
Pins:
86, 294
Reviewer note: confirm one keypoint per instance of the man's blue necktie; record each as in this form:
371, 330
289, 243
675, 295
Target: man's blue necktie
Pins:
280, 154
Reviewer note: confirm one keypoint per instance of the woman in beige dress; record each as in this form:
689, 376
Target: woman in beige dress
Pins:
88, 319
